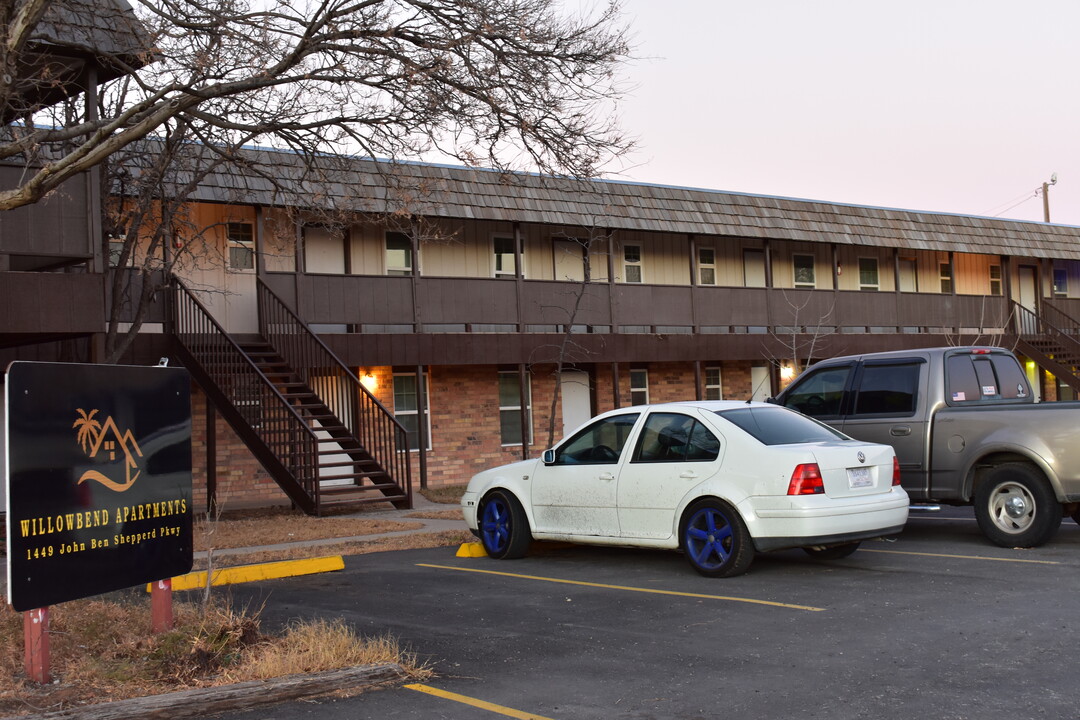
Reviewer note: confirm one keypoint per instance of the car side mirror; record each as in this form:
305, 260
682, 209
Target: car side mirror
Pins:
549, 457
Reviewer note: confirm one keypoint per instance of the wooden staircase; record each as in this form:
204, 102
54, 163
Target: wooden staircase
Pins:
321, 435
1052, 339
347, 474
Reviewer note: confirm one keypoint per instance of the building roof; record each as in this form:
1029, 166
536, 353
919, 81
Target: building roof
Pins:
442, 191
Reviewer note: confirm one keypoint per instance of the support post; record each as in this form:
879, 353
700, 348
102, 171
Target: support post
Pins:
161, 611
36, 639
422, 404
211, 458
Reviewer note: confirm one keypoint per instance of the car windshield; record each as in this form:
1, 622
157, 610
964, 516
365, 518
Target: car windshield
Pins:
778, 426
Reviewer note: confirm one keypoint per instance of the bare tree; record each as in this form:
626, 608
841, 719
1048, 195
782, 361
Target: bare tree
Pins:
805, 337
568, 352
504, 83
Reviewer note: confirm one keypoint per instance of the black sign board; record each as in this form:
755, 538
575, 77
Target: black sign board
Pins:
99, 479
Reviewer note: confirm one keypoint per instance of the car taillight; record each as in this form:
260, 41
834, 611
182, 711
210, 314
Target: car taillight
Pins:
895, 470
806, 480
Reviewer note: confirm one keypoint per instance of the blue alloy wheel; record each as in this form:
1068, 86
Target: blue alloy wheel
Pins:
716, 542
504, 529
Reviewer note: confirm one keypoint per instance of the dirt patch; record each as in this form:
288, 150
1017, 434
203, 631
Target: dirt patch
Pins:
447, 494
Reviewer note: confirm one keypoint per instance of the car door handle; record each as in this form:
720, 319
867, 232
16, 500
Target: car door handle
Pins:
900, 430
688, 474
607, 476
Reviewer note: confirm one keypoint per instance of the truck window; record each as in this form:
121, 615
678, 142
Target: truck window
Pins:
972, 378
887, 389
820, 393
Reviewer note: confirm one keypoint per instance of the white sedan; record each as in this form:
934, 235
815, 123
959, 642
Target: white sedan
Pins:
720, 480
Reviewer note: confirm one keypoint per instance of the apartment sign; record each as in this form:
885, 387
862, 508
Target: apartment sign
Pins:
98, 479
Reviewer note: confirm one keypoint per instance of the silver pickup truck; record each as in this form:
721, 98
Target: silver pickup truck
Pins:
966, 429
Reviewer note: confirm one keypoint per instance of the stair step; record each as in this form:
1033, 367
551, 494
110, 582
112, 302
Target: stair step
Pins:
339, 490
354, 476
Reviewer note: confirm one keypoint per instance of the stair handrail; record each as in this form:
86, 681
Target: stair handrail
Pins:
307, 481
335, 360
1056, 311
374, 441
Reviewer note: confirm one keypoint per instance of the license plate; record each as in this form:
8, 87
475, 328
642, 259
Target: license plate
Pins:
859, 478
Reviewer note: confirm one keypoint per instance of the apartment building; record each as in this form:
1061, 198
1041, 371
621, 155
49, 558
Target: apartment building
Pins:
419, 331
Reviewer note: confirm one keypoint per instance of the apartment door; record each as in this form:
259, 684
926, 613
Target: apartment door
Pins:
909, 277
576, 399
754, 268
1027, 290
569, 260
761, 382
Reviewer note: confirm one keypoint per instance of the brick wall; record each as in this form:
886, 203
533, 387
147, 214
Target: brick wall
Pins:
465, 425
241, 480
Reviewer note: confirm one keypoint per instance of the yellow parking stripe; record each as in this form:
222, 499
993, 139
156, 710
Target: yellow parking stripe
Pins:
482, 704
630, 589
962, 557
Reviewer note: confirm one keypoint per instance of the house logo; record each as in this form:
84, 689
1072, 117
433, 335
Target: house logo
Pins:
105, 442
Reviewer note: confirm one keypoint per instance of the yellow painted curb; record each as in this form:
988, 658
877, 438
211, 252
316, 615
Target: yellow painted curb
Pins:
262, 571
472, 549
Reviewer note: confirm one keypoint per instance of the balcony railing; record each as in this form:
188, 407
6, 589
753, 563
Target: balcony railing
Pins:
380, 304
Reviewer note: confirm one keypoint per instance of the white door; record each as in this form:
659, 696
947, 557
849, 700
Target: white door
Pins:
569, 260
761, 381
754, 268
1027, 287
576, 494
576, 400
674, 454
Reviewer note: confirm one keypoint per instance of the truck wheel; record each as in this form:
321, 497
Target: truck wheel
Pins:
1015, 506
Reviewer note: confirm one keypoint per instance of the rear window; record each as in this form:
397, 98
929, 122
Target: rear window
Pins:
777, 426
983, 378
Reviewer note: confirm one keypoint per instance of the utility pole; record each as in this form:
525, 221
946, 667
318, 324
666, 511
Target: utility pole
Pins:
1046, 196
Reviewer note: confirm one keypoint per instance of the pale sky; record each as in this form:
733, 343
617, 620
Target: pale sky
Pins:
944, 105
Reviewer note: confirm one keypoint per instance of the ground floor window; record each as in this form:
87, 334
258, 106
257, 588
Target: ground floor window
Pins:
639, 387
407, 407
510, 407
713, 390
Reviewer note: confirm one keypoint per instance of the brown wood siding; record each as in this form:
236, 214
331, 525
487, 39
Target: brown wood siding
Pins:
56, 226
52, 302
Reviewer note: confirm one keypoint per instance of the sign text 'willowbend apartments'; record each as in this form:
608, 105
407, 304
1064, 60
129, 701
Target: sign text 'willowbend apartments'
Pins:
99, 479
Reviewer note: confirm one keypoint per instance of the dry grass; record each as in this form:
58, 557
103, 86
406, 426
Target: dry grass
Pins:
454, 514
447, 494
286, 526
101, 650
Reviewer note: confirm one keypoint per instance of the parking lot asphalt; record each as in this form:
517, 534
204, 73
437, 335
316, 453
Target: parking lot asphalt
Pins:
935, 623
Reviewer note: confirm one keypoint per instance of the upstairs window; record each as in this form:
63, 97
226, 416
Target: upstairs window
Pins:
706, 266
995, 279
1061, 282
241, 238
803, 268
945, 270
632, 263
868, 274
399, 260
505, 257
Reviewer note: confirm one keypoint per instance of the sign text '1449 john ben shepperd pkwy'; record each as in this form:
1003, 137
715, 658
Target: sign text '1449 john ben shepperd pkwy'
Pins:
99, 479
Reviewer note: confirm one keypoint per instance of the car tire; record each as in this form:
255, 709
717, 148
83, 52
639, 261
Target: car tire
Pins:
833, 552
715, 539
1016, 507
504, 529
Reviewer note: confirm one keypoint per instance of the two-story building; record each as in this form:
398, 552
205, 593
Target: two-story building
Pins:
419, 332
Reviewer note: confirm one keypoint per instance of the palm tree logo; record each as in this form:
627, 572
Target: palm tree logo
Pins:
95, 437
88, 429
